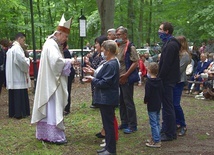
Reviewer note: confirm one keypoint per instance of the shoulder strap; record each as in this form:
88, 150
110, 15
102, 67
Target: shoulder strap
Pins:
128, 46
127, 52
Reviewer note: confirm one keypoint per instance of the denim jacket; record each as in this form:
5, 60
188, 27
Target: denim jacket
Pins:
106, 84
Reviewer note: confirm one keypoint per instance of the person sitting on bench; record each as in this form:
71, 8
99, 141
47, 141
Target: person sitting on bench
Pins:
196, 78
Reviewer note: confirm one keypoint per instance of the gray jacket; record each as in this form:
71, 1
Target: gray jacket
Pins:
184, 61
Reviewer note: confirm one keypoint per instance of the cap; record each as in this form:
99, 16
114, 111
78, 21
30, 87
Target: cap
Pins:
64, 25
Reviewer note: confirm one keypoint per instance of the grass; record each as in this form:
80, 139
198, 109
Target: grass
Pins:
18, 136
202, 137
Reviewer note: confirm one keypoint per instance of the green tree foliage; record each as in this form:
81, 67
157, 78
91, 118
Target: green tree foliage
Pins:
192, 18
206, 14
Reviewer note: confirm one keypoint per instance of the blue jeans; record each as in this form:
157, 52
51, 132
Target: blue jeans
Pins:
179, 115
154, 121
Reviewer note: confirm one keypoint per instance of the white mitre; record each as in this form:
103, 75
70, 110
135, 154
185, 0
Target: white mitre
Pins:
64, 25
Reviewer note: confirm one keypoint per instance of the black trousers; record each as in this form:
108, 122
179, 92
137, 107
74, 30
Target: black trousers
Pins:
2, 79
128, 114
107, 114
168, 112
69, 86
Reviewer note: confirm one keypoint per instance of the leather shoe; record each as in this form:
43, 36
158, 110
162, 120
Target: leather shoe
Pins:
99, 135
66, 113
164, 137
106, 153
94, 106
57, 143
61, 143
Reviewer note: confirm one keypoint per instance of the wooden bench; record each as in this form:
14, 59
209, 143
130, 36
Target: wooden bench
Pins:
196, 82
193, 84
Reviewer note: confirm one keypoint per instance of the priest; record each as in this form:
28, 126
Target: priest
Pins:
51, 90
18, 79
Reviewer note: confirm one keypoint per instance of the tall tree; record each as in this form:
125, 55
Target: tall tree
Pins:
149, 23
106, 10
140, 26
50, 13
131, 19
40, 20
142, 18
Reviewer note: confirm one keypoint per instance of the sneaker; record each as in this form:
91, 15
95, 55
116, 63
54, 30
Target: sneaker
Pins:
149, 140
129, 130
123, 126
154, 144
201, 93
103, 145
199, 97
182, 131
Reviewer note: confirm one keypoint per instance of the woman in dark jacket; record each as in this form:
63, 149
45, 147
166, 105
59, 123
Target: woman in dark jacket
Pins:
106, 93
97, 60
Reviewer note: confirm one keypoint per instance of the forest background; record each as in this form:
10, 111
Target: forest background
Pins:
192, 18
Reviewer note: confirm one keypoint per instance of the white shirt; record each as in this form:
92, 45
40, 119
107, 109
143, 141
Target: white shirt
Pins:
17, 68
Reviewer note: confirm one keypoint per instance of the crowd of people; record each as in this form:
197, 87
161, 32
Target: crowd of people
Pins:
112, 68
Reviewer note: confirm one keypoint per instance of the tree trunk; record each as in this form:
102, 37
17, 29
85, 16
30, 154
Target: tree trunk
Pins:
40, 21
106, 10
149, 24
50, 14
130, 20
140, 27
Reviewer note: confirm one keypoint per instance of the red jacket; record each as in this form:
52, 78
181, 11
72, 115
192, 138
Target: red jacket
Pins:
142, 67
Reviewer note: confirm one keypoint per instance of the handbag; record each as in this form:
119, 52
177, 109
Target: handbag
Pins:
134, 77
208, 93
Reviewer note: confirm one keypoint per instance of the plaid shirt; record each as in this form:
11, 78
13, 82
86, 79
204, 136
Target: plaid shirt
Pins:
96, 61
